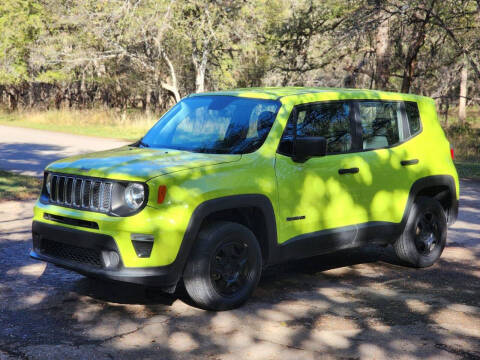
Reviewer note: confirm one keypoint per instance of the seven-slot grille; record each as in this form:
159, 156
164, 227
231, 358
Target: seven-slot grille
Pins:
82, 193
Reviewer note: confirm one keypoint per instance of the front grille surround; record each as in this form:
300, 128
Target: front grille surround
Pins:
89, 193
83, 193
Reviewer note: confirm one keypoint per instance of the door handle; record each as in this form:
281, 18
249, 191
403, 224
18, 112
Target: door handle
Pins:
409, 162
348, 171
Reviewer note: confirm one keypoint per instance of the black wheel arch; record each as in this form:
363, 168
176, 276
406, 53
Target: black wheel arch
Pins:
440, 187
234, 204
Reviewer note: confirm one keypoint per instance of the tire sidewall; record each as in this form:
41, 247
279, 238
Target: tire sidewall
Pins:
197, 279
421, 206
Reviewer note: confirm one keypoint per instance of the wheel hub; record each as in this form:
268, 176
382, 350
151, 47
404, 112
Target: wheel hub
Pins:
427, 235
229, 267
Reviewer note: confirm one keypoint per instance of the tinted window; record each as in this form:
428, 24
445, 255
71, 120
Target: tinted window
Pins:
329, 120
413, 117
214, 124
381, 124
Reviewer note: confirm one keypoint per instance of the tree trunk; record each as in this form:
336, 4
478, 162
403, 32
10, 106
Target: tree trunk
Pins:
408, 72
200, 69
148, 100
445, 106
172, 88
31, 95
382, 45
12, 99
462, 104
83, 90
416, 43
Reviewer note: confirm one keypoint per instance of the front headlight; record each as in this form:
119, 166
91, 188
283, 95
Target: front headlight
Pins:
134, 196
128, 198
48, 183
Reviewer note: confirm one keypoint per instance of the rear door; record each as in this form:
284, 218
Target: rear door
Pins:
389, 161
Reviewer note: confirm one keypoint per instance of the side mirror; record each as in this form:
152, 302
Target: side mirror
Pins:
307, 147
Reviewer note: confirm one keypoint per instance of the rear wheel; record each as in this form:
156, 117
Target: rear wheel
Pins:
224, 267
425, 233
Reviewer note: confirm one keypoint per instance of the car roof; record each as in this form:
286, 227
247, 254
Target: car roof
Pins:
276, 93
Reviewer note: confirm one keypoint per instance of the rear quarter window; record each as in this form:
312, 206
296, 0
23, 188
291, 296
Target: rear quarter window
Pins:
413, 117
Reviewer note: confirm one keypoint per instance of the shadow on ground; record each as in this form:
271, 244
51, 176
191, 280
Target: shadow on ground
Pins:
354, 304
29, 158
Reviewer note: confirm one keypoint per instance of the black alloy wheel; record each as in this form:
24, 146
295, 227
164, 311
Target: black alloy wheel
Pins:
224, 267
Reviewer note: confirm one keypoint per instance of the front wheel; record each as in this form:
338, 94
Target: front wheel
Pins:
224, 267
425, 234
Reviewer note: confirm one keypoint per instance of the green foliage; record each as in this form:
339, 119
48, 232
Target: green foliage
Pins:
20, 24
52, 77
464, 139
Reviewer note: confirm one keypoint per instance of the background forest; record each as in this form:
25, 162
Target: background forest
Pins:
104, 61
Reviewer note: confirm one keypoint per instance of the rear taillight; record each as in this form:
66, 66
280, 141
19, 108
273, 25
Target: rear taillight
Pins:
452, 153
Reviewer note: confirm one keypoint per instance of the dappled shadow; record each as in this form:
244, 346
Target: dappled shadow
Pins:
357, 303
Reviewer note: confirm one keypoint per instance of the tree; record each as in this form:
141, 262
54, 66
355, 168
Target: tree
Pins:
19, 25
147, 54
462, 114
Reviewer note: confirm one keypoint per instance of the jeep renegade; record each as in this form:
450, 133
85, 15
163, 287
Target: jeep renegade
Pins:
230, 182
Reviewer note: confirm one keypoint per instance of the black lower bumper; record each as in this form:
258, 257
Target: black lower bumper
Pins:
87, 253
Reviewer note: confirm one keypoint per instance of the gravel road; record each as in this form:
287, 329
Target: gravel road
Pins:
357, 304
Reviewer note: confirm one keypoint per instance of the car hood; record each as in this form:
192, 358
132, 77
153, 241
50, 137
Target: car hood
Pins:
136, 164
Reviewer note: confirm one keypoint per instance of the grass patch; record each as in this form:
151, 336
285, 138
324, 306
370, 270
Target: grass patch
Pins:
467, 169
104, 123
473, 116
18, 187
464, 139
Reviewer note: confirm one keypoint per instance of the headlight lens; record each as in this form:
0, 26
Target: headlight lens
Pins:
48, 184
134, 196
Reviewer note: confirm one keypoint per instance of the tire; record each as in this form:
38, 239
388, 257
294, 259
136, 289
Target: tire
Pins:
224, 267
425, 234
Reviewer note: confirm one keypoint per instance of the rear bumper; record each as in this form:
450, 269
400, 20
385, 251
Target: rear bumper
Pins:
88, 253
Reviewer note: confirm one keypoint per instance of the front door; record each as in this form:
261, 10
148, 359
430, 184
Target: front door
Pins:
318, 197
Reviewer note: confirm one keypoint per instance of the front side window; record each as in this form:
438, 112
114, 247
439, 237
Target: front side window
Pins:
329, 120
214, 124
381, 123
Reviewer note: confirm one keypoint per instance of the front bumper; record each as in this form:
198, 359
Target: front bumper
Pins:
88, 253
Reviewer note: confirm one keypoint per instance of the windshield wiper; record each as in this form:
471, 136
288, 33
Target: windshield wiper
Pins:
140, 143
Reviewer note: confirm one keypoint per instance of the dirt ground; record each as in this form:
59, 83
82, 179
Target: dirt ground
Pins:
356, 304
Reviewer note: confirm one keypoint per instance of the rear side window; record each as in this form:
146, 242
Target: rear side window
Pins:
381, 123
413, 117
328, 120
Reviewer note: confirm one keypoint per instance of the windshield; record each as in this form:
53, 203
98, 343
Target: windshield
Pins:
214, 124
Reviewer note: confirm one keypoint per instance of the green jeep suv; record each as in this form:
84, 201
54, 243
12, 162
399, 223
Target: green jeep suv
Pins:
228, 183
